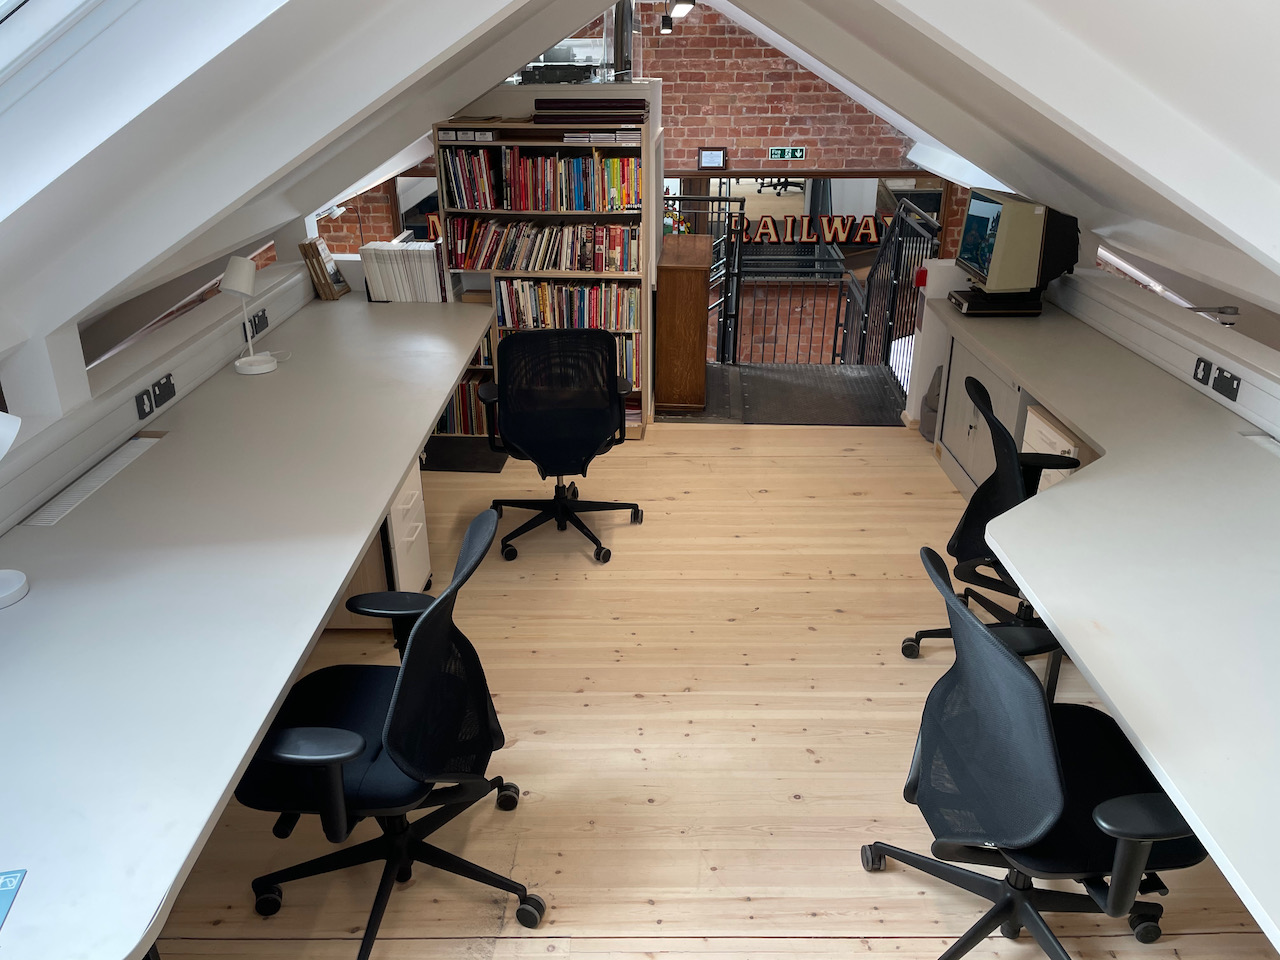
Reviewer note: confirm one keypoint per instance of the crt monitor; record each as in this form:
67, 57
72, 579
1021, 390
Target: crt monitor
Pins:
1010, 245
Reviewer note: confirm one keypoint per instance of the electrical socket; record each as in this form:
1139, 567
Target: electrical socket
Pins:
258, 322
1203, 371
1227, 384
163, 390
146, 406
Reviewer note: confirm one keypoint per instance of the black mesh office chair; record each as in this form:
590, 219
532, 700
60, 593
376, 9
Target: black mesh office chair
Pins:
1051, 791
364, 740
560, 404
1016, 476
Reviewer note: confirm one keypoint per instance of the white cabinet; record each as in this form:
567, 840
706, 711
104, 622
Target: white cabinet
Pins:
398, 558
964, 433
407, 535
1044, 433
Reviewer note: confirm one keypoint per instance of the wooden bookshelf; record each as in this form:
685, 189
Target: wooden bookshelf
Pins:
542, 148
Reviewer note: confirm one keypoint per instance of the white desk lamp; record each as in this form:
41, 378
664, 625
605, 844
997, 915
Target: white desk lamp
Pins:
13, 583
239, 278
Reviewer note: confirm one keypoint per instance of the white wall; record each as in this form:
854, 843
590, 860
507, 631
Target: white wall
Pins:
853, 198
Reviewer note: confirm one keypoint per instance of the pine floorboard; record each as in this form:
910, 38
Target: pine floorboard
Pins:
705, 730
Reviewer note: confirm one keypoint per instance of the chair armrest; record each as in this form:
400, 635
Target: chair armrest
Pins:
326, 747
912, 786
1048, 461
1136, 821
1141, 816
625, 389
488, 394
1034, 464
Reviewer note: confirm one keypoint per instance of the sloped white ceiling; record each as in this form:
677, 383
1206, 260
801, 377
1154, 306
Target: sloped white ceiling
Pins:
1150, 126
1146, 120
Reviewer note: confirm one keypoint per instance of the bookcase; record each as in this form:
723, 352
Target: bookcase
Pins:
559, 222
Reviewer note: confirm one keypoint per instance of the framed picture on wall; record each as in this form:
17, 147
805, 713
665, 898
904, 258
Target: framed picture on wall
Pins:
713, 158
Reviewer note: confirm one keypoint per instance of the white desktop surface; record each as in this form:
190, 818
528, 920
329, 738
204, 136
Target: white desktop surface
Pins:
1158, 568
169, 613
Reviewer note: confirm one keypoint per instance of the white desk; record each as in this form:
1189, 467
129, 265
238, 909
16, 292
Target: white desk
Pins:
1158, 567
168, 613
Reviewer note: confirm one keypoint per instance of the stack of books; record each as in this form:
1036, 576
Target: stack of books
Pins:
536, 304
465, 414
525, 245
325, 275
409, 272
615, 111
509, 178
578, 137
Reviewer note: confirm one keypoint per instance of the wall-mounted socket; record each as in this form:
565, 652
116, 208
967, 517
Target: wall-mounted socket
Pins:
1227, 384
1203, 371
163, 390
258, 322
146, 406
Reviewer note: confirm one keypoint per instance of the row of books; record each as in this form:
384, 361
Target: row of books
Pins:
532, 304
524, 245
325, 275
407, 272
481, 179
628, 354
465, 414
484, 354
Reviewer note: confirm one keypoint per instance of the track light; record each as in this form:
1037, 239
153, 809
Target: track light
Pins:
666, 26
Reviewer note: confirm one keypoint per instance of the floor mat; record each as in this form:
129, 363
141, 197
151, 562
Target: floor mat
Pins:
461, 455
810, 393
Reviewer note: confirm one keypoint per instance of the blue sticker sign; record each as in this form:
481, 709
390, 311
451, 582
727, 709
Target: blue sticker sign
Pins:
9, 884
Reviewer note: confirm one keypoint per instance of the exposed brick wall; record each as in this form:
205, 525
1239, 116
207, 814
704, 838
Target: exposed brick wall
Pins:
953, 222
265, 256
368, 217
724, 86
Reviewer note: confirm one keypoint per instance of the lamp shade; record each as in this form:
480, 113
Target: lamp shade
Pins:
239, 277
8, 431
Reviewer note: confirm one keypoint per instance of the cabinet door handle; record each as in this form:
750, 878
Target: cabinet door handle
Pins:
412, 535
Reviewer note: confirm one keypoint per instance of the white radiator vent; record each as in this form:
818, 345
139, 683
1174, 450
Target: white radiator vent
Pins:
80, 491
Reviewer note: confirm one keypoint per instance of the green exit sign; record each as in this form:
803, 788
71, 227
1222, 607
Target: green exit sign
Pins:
786, 153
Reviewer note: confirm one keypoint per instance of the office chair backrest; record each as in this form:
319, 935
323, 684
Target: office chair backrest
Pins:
558, 401
1001, 491
988, 766
441, 718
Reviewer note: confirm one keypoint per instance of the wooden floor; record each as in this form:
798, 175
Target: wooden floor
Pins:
706, 729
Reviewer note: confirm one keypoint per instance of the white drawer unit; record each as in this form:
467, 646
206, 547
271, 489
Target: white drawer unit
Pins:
1044, 433
407, 534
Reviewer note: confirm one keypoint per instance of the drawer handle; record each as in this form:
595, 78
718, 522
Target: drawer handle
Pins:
410, 499
412, 535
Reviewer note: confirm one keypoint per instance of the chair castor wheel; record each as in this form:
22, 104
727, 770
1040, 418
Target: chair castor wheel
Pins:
509, 552
1146, 928
508, 796
497, 508
911, 648
637, 515
573, 491
428, 586
405, 874
531, 910
872, 862
1010, 930
603, 554
268, 900
562, 524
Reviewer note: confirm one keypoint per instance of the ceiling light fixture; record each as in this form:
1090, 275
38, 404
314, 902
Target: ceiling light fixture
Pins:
682, 8
666, 26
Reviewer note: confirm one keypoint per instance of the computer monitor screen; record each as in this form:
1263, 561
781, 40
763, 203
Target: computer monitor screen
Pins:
978, 240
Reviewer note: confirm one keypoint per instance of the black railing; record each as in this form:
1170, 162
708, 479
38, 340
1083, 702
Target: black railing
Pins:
795, 302
719, 218
885, 330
